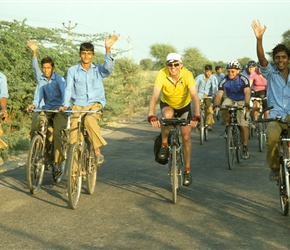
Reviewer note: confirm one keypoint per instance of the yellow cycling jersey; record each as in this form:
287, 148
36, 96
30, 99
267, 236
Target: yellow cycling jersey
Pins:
176, 96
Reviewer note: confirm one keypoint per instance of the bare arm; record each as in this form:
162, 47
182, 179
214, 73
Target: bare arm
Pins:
218, 98
195, 100
155, 94
259, 32
33, 46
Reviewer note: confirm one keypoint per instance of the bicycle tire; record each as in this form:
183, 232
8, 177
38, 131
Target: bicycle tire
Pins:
174, 173
201, 128
230, 148
74, 178
238, 146
35, 164
284, 203
91, 170
261, 137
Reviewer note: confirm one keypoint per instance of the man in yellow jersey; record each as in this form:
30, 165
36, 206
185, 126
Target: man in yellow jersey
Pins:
178, 88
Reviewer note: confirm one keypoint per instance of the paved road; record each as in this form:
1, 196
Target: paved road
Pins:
132, 209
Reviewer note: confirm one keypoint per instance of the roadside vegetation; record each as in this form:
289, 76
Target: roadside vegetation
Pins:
128, 88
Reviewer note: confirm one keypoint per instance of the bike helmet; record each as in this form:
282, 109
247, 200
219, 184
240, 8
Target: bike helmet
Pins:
251, 64
233, 65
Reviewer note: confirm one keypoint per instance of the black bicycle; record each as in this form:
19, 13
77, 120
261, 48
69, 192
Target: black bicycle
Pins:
81, 162
176, 159
283, 181
233, 137
40, 154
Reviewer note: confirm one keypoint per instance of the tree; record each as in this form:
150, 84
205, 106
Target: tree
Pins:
194, 61
146, 64
159, 52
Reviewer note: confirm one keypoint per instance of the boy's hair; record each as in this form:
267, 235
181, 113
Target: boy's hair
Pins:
207, 67
47, 59
280, 47
217, 68
87, 47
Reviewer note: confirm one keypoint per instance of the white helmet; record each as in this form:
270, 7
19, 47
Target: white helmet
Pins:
233, 65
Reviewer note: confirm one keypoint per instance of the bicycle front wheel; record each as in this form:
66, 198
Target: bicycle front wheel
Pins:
35, 164
282, 184
230, 148
74, 178
174, 172
261, 136
91, 171
201, 129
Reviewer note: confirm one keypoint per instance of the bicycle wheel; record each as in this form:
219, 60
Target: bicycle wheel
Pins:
91, 170
283, 190
35, 164
74, 179
238, 146
231, 152
174, 172
201, 128
261, 136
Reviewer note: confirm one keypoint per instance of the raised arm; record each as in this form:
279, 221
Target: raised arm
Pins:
259, 32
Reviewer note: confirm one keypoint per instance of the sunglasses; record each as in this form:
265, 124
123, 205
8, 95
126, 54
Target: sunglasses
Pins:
172, 64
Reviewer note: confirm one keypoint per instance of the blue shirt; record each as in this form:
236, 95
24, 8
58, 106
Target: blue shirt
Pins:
208, 87
86, 87
48, 93
278, 91
234, 88
3, 86
220, 77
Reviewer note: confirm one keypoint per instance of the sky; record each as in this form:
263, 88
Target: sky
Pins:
221, 30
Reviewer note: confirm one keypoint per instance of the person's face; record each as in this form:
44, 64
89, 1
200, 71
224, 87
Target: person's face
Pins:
252, 69
47, 70
219, 71
207, 73
87, 56
281, 60
232, 73
174, 68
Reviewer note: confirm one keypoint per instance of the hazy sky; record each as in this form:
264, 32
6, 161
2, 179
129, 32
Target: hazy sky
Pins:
221, 30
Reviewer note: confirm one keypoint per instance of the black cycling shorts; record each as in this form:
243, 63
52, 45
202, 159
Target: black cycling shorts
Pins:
185, 112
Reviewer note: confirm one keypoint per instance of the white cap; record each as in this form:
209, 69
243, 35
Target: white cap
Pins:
171, 57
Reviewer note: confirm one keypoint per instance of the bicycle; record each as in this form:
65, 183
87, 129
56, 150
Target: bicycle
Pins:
284, 171
81, 163
203, 126
176, 159
233, 137
40, 154
260, 126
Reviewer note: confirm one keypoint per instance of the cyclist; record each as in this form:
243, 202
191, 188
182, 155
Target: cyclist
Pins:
86, 91
258, 85
178, 89
278, 94
238, 93
206, 85
49, 94
219, 73
249, 68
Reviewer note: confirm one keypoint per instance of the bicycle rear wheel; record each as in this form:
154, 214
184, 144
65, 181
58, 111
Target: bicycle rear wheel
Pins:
174, 172
284, 203
74, 179
91, 170
231, 152
238, 146
35, 164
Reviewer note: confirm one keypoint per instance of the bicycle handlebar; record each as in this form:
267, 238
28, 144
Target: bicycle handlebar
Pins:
174, 122
65, 111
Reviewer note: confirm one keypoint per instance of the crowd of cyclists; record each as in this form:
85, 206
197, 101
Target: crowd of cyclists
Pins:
259, 78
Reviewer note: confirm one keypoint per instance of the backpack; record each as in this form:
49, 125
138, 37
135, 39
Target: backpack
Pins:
157, 146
